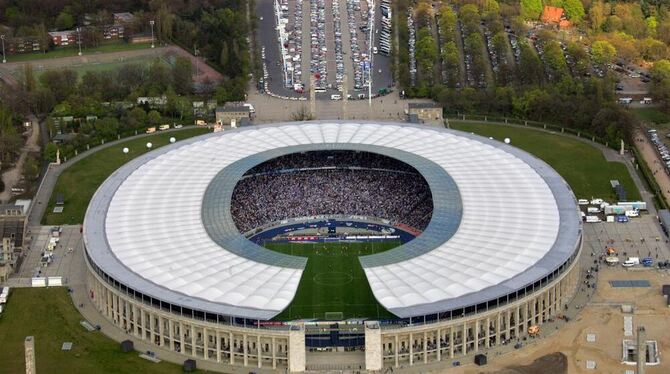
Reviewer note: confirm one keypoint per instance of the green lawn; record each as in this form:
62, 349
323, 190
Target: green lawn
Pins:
79, 182
73, 51
583, 166
652, 116
333, 280
49, 315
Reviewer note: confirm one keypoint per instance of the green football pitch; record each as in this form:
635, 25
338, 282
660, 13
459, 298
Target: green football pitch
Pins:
333, 285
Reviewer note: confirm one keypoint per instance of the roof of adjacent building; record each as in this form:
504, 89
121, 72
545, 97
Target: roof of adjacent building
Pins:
424, 106
233, 107
552, 14
161, 224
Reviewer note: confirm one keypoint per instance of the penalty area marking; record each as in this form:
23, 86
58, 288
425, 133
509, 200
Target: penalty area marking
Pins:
333, 278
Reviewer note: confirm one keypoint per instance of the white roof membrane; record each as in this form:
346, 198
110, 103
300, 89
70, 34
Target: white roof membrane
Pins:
516, 221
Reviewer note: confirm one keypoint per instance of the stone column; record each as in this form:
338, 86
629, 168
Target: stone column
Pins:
231, 349
136, 316
411, 349
193, 349
218, 346
439, 345
274, 353
451, 342
205, 343
152, 328
397, 350
171, 335
498, 332
259, 351
374, 355
487, 343
477, 335
182, 343
464, 346
161, 331
425, 347
143, 326
245, 350
296, 349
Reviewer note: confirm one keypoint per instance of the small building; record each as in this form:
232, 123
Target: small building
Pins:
112, 32
552, 15
231, 114
63, 38
124, 18
12, 227
424, 112
152, 101
22, 45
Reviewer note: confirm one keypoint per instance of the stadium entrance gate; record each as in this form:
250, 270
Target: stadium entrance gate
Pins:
335, 335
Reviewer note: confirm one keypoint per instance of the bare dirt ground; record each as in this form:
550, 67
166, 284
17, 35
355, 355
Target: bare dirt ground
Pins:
655, 163
603, 317
12, 176
555, 363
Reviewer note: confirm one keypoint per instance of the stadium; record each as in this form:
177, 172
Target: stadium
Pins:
258, 246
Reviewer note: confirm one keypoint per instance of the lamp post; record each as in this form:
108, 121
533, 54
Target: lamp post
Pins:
79, 39
195, 52
4, 59
152, 32
149, 145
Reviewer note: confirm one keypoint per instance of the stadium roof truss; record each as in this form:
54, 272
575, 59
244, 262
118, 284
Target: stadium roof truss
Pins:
502, 219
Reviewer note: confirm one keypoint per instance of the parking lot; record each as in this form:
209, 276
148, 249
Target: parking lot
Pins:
61, 263
327, 40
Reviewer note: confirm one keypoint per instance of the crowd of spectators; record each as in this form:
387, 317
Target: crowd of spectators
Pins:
326, 183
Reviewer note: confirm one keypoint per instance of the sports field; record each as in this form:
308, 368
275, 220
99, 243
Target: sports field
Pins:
333, 281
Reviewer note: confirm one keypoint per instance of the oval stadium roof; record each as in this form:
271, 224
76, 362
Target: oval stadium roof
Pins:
502, 220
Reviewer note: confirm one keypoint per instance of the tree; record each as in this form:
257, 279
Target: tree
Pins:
64, 21
660, 82
597, 15
531, 9
652, 26
652, 49
50, 152
107, 127
603, 52
31, 168
426, 54
612, 23
555, 60
137, 117
182, 76
451, 59
61, 83
28, 78
10, 139
530, 65
153, 117
165, 21
574, 9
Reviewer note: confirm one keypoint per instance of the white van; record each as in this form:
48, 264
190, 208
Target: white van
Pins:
632, 261
336, 97
632, 213
592, 219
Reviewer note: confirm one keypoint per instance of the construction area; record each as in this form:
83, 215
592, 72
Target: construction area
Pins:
606, 322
